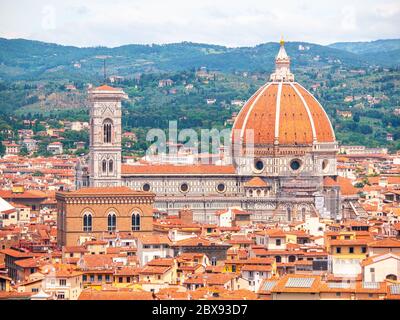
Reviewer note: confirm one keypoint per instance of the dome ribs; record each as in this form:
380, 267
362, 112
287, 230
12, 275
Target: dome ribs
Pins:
322, 124
295, 127
251, 116
286, 113
238, 125
264, 125
260, 115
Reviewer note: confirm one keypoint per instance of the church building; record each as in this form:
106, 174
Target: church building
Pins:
281, 179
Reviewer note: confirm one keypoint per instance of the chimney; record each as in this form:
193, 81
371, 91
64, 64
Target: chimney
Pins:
186, 215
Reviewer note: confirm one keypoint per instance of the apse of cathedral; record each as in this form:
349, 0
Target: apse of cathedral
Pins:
290, 173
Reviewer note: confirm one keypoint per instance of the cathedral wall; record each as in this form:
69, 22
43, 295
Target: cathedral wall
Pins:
172, 185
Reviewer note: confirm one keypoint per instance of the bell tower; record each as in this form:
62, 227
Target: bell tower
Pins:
105, 136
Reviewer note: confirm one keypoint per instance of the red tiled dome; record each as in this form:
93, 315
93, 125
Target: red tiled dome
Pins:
284, 112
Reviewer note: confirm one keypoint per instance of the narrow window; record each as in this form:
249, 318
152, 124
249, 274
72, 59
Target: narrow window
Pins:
110, 166
364, 249
107, 131
112, 222
87, 222
104, 166
135, 222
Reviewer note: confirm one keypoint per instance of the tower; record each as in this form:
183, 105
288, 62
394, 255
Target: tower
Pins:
105, 136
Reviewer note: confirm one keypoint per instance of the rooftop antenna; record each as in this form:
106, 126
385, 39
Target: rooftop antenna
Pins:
104, 58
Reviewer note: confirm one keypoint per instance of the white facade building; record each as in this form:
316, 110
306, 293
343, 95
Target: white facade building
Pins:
293, 148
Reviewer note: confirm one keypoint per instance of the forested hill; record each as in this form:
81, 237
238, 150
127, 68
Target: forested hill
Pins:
33, 60
377, 46
381, 52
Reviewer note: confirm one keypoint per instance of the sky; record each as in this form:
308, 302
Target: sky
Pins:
232, 23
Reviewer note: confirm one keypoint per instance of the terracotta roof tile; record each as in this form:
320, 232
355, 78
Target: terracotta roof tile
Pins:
91, 294
259, 114
385, 243
256, 182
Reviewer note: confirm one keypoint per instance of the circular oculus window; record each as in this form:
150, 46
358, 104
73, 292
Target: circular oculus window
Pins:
146, 187
184, 187
221, 188
259, 165
295, 164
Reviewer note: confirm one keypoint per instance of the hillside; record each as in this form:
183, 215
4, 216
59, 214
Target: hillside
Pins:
33, 60
368, 47
380, 52
48, 82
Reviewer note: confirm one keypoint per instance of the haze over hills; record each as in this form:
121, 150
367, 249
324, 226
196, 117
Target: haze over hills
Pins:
33, 60
366, 47
381, 52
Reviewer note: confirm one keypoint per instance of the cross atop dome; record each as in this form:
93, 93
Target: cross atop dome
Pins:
282, 66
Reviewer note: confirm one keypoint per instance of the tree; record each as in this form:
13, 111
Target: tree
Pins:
81, 151
2, 149
23, 151
366, 129
356, 117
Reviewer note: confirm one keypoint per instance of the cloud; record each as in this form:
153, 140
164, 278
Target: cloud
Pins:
349, 19
233, 23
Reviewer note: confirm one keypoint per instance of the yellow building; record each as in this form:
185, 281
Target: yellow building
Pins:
346, 251
5, 283
95, 279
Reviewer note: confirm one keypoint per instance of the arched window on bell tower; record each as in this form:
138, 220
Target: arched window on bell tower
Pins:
111, 166
104, 166
107, 131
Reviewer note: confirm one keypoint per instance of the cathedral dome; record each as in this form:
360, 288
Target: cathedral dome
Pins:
282, 112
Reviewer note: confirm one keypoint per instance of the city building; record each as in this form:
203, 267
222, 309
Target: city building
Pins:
294, 149
55, 148
93, 212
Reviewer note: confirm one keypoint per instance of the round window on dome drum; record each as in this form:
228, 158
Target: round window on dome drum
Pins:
146, 187
221, 187
259, 165
295, 164
184, 187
